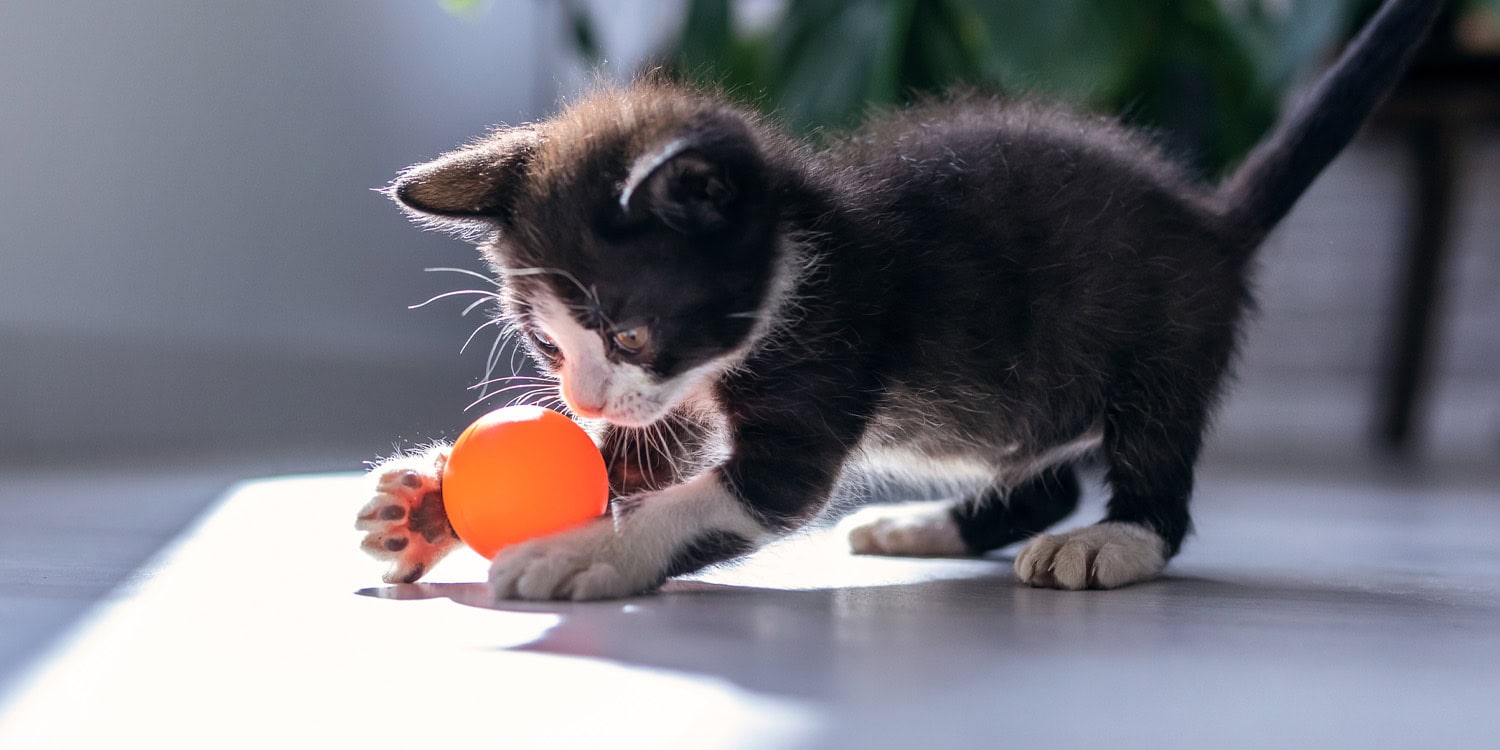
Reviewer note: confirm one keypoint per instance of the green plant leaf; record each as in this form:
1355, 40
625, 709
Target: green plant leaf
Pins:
823, 69
1076, 50
462, 7
707, 33
1205, 74
581, 30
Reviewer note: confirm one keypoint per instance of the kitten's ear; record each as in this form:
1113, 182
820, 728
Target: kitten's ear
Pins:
691, 184
470, 187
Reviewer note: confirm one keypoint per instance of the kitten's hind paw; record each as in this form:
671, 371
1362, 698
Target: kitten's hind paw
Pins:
405, 522
1103, 556
908, 530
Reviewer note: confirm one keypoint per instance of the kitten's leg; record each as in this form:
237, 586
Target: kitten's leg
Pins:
972, 526
777, 476
405, 522
1028, 510
1151, 445
649, 539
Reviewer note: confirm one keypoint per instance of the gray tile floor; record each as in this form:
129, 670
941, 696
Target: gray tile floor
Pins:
1340, 607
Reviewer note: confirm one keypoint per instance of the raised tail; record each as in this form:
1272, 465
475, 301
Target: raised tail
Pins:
1281, 167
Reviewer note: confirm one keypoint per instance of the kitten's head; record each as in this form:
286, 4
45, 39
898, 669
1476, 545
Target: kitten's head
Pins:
635, 236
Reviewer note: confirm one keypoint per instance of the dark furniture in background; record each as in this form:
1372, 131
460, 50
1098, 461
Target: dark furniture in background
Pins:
1449, 92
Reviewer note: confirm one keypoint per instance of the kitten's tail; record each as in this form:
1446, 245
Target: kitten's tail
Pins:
1277, 171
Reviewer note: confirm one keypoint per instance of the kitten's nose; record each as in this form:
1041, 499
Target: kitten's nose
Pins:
583, 408
588, 412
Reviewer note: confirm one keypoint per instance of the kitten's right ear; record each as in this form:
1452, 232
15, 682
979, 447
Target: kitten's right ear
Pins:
471, 187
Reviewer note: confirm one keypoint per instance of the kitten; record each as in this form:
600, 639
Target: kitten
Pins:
969, 286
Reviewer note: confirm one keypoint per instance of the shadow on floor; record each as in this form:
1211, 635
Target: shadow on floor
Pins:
822, 643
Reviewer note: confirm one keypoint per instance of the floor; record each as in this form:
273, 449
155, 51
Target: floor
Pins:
1314, 608
77, 531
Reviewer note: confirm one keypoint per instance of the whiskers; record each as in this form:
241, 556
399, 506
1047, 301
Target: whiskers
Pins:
541, 391
655, 453
485, 295
507, 345
529, 390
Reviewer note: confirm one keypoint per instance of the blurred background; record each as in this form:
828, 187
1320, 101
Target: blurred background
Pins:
197, 284
194, 263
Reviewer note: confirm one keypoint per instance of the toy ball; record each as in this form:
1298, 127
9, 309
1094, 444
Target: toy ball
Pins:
522, 472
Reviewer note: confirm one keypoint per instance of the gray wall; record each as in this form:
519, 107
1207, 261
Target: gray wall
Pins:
189, 248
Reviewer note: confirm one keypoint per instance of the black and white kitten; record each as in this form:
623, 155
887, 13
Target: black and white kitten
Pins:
968, 286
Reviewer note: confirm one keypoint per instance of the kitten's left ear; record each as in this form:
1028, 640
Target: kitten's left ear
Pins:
692, 184
471, 187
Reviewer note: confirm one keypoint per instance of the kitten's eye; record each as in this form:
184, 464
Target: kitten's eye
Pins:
544, 342
633, 339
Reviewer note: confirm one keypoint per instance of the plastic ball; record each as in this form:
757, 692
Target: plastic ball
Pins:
519, 473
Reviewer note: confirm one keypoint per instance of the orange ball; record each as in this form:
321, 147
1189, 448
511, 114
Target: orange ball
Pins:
522, 472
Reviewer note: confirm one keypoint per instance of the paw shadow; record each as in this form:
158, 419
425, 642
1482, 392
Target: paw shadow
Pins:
476, 595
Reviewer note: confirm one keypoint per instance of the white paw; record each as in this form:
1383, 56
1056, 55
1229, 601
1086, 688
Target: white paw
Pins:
405, 522
584, 563
910, 530
1104, 556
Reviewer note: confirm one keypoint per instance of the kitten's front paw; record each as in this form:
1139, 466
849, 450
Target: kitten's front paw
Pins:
908, 530
580, 564
405, 522
1104, 556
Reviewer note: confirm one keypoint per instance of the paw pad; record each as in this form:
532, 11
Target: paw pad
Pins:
405, 522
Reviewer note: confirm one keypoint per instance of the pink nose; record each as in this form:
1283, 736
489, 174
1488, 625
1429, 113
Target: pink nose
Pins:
582, 408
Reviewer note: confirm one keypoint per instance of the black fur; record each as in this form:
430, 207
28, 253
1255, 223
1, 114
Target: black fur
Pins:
974, 279
997, 519
709, 548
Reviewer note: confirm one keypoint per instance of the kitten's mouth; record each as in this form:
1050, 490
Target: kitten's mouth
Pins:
629, 420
